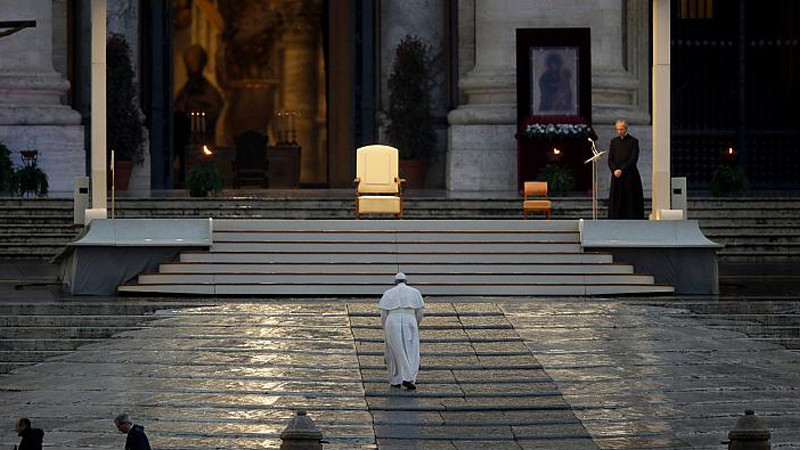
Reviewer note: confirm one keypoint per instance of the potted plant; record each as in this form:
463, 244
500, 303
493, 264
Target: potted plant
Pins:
729, 179
125, 134
6, 172
203, 178
30, 178
559, 179
410, 117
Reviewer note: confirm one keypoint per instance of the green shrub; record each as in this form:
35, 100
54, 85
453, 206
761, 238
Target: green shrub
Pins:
410, 117
559, 179
729, 179
31, 179
202, 179
125, 135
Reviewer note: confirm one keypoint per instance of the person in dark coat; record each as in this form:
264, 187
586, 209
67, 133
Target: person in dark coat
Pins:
136, 439
625, 198
31, 437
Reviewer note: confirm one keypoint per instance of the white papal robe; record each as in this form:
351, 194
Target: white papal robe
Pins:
401, 313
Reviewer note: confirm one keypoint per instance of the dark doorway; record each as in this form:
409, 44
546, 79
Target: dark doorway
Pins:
736, 85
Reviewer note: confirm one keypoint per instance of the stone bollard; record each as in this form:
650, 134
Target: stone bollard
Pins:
301, 434
749, 434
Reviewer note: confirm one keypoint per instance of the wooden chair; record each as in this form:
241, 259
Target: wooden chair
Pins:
251, 166
378, 185
535, 189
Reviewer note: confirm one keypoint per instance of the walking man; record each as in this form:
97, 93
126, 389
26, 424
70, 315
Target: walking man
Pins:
402, 310
136, 439
31, 437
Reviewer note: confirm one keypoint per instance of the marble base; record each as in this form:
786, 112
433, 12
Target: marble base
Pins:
61, 151
482, 158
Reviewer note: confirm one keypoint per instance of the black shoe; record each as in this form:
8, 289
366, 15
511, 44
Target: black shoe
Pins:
409, 385
395, 385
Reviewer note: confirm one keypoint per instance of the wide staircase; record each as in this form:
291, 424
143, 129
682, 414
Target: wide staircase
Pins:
32, 331
441, 257
752, 229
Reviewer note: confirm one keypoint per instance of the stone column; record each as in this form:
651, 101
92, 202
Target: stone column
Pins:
299, 88
661, 107
98, 125
31, 113
482, 153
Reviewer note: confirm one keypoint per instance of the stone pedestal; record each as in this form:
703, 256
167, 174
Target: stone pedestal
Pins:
31, 115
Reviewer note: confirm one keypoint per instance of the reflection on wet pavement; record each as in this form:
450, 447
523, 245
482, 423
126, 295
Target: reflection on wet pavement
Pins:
479, 386
646, 375
517, 374
224, 376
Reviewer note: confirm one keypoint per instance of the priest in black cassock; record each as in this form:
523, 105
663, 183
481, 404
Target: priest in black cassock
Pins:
625, 199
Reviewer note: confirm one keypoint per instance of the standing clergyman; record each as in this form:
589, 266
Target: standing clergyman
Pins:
401, 313
625, 198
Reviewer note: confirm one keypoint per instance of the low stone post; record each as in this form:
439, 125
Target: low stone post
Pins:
301, 434
750, 433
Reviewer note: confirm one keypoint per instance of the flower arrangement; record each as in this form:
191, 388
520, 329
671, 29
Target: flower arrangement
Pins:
553, 131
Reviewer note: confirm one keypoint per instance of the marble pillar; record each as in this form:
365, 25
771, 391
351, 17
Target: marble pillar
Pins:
482, 151
661, 108
31, 113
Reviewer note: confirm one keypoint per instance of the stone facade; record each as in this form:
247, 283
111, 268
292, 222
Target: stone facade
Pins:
31, 113
481, 147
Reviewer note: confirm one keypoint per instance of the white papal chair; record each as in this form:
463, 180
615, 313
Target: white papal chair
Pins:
379, 188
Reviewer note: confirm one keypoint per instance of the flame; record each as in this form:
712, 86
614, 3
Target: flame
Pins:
207, 151
556, 151
730, 151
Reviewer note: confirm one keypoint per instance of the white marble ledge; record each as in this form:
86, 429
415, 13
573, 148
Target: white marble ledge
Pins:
147, 233
643, 234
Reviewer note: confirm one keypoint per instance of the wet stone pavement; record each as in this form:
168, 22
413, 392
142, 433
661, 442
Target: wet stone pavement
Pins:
496, 374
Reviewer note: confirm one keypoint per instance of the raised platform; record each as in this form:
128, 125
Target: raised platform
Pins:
358, 258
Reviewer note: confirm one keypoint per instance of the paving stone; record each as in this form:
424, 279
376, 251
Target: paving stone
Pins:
570, 374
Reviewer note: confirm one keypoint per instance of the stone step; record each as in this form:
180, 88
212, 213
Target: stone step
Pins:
18, 228
759, 241
23, 357
462, 289
420, 280
23, 252
57, 332
392, 258
47, 237
390, 268
392, 237
36, 344
82, 309
400, 247
763, 248
43, 221
39, 202
750, 232
43, 322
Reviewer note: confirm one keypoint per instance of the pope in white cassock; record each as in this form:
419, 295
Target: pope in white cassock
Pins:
401, 313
